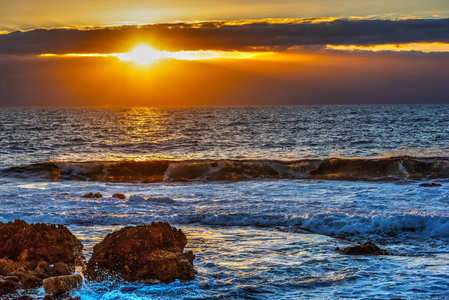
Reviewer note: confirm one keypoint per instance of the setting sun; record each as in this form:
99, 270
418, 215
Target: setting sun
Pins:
143, 55
146, 55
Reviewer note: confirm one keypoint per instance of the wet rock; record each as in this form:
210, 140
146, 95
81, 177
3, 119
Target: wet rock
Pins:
61, 269
8, 286
39, 272
23, 298
160, 200
30, 281
19, 273
119, 196
142, 253
91, 195
363, 249
29, 244
7, 266
12, 278
433, 184
136, 198
62, 285
45, 266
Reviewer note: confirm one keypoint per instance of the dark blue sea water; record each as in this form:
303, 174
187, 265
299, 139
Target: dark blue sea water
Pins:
264, 194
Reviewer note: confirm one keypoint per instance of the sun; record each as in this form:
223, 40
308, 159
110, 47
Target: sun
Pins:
143, 55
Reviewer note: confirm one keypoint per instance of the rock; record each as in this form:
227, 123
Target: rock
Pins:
7, 266
12, 278
8, 286
366, 248
62, 285
45, 266
23, 298
30, 281
39, 272
160, 200
61, 269
119, 196
433, 184
91, 195
19, 273
136, 198
142, 253
29, 244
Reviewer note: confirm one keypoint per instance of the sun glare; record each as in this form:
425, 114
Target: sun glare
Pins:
143, 55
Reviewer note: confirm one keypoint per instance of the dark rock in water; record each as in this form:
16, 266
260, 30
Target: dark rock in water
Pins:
23, 298
119, 196
91, 195
30, 244
142, 253
8, 286
62, 285
433, 184
363, 249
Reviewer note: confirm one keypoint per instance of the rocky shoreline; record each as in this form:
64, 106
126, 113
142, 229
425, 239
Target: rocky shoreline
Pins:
36, 255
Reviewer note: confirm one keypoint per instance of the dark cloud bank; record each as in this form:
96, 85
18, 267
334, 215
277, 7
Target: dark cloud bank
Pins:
226, 36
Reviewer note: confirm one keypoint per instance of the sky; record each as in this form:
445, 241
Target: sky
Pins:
223, 52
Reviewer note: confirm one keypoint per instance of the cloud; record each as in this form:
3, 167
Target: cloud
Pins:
243, 35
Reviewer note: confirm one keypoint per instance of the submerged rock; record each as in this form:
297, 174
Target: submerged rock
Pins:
433, 184
62, 285
142, 253
23, 298
136, 198
363, 249
91, 195
119, 196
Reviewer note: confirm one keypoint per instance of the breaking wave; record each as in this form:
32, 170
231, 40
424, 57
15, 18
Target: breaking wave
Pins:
382, 169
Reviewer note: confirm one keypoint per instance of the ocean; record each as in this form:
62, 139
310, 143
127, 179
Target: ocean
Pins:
264, 194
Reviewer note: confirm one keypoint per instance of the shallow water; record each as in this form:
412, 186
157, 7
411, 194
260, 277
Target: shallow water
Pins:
253, 239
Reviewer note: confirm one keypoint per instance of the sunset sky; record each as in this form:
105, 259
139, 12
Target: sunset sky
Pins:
188, 53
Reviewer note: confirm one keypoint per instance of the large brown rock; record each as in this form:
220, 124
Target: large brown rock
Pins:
363, 249
31, 243
62, 285
142, 253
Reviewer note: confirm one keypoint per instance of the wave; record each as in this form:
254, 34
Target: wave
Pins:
340, 225
382, 169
